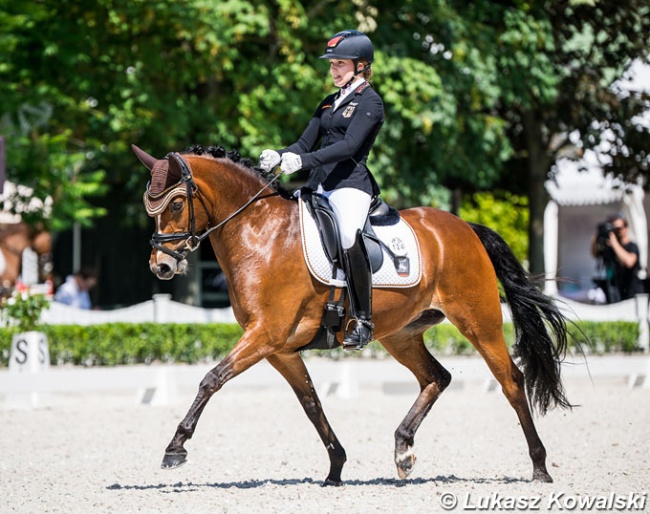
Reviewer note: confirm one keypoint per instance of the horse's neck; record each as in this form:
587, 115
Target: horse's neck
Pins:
252, 234
256, 233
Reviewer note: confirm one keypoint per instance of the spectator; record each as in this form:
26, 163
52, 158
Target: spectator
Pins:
75, 290
619, 259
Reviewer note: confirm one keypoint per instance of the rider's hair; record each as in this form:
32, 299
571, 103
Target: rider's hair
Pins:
367, 73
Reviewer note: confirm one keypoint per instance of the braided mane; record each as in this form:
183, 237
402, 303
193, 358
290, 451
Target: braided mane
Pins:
219, 152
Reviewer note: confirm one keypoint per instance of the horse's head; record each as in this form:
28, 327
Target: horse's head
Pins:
169, 200
42, 242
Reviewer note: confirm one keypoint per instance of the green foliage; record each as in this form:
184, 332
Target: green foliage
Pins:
508, 215
22, 311
613, 336
585, 336
114, 344
56, 178
472, 90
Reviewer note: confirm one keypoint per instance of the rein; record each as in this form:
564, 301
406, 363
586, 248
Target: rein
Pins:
192, 240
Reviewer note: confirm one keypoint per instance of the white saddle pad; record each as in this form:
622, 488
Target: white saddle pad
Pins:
400, 238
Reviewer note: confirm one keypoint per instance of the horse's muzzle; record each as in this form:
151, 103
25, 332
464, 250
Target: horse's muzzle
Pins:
165, 267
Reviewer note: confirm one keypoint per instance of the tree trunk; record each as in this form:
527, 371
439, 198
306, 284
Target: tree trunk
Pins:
456, 200
538, 167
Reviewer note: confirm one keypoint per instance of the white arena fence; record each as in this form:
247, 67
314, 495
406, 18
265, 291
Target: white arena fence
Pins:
160, 309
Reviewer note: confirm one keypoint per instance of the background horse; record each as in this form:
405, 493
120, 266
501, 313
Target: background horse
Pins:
14, 239
255, 234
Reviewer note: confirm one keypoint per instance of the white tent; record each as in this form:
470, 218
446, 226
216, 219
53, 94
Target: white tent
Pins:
581, 197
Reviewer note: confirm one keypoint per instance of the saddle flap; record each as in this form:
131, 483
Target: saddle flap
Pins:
320, 209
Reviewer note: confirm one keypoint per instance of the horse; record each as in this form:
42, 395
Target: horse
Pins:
14, 239
254, 230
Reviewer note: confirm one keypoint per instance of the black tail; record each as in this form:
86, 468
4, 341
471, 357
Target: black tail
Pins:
537, 320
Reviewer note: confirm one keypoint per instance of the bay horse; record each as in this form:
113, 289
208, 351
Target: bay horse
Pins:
14, 239
255, 233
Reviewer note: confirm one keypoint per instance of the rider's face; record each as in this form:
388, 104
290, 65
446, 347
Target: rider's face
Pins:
342, 70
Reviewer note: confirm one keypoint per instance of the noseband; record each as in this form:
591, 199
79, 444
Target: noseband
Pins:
186, 186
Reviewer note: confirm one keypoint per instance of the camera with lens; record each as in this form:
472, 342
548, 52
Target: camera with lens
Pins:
602, 235
604, 229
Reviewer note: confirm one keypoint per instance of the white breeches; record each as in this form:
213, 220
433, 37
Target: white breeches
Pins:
350, 207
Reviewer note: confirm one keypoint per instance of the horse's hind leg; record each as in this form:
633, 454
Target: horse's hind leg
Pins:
409, 350
492, 347
292, 368
512, 385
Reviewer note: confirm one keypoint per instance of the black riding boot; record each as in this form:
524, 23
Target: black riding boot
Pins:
359, 280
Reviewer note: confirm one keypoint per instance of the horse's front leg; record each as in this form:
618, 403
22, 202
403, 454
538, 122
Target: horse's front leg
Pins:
293, 369
247, 352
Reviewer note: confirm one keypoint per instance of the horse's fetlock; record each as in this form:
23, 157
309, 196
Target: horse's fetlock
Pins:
404, 437
185, 431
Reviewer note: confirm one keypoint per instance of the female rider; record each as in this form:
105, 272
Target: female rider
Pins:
346, 123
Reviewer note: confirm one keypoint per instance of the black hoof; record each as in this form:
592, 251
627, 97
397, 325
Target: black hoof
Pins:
173, 460
541, 476
334, 483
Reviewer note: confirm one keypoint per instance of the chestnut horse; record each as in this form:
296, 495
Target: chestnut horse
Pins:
255, 233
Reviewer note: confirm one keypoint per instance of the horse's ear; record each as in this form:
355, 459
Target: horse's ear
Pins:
175, 171
144, 157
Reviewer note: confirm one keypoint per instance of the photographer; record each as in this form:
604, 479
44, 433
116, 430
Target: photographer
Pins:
619, 257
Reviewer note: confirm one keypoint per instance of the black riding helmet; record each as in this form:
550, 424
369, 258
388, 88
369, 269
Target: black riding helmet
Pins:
350, 44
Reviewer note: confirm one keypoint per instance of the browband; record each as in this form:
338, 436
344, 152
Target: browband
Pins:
168, 194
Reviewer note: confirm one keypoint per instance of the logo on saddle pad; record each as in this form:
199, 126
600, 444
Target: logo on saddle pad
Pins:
401, 269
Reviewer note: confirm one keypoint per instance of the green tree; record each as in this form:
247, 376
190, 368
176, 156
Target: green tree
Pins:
507, 211
479, 95
520, 84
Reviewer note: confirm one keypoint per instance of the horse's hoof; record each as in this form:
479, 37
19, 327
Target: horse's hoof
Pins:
334, 483
405, 462
173, 460
541, 476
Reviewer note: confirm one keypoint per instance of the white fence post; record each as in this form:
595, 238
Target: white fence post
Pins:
161, 307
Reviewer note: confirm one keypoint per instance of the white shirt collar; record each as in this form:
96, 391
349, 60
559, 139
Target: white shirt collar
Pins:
344, 92
352, 87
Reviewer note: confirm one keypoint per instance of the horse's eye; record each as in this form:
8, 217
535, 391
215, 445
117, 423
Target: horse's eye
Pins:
177, 205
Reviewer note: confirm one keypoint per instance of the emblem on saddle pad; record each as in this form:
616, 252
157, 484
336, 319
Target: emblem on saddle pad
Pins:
402, 264
396, 256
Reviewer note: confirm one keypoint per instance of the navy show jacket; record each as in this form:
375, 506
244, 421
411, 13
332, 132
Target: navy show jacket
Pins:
346, 135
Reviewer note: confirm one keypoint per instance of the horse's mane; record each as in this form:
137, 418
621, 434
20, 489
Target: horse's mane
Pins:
219, 152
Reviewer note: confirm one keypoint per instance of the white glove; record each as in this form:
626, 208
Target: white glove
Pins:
291, 162
269, 160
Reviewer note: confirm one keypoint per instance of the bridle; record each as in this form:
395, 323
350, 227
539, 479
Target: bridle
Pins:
188, 187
